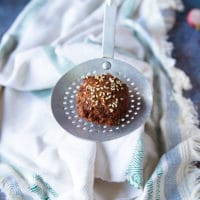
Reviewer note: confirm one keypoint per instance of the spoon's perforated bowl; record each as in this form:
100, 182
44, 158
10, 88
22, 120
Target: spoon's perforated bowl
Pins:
64, 100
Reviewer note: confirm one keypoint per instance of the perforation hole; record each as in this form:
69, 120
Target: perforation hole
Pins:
84, 128
69, 103
128, 122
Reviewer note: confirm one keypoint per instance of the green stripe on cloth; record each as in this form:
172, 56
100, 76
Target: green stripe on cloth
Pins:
20, 184
42, 188
25, 17
134, 174
10, 40
61, 63
129, 7
159, 172
149, 186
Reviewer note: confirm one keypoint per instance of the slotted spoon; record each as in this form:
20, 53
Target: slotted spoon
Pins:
63, 100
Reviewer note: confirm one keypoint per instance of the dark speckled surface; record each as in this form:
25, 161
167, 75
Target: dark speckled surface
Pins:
186, 41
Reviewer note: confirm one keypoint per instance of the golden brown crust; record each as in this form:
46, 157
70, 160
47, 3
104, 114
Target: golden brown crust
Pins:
102, 99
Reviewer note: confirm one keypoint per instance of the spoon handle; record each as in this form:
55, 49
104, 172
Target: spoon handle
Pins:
109, 29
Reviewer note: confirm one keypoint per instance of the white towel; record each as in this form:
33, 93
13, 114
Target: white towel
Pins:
48, 39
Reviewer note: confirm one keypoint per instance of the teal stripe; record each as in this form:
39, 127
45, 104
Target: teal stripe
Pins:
159, 172
149, 186
41, 181
42, 93
61, 63
26, 16
10, 40
7, 46
129, 7
134, 172
32, 181
42, 188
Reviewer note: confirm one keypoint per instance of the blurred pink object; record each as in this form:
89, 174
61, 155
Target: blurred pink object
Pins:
193, 18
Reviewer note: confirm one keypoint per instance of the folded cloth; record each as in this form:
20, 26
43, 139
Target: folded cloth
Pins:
39, 160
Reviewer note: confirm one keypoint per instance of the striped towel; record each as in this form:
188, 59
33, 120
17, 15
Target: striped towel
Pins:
40, 161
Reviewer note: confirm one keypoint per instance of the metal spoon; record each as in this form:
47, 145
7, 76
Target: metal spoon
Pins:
63, 100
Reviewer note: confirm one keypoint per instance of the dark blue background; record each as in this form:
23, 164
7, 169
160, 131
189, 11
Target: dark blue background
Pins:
186, 41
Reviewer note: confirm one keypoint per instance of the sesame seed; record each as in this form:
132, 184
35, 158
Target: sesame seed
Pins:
111, 80
111, 110
96, 77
